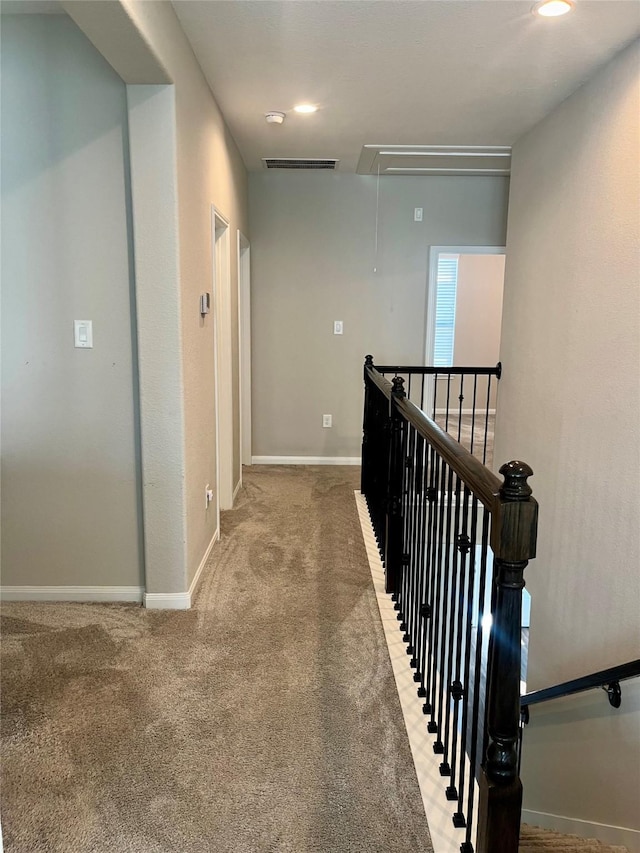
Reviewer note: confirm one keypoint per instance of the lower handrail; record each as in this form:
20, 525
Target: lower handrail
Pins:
605, 678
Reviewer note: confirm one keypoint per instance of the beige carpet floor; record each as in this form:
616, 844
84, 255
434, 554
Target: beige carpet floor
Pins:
264, 719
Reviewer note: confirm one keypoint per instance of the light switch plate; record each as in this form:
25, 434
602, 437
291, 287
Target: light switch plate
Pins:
338, 327
417, 214
83, 334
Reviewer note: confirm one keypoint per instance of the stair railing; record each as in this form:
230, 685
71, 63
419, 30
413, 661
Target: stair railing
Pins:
459, 399
606, 679
455, 541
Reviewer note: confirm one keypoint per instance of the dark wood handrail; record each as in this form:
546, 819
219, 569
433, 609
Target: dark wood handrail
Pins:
587, 682
441, 371
379, 381
482, 482
479, 479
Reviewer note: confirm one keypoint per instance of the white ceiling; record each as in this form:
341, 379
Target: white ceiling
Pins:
31, 7
393, 72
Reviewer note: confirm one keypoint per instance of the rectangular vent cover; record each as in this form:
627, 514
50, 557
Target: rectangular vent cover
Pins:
298, 163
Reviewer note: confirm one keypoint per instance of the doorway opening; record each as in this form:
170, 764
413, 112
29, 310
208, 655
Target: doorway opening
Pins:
244, 347
464, 305
222, 358
464, 318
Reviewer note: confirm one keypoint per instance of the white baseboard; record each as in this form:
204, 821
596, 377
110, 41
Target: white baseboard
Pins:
305, 460
203, 563
614, 835
445, 837
72, 593
180, 600
167, 600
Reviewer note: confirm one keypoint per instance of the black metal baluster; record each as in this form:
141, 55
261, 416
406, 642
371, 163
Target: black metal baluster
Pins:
422, 393
473, 411
446, 615
394, 506
396, 594
421, 545
452, 621
385, 443
429, 607
415, 549
437, 600
458, 687
404, 601
479, 687
409, 556
460, 401
446, 416
486, 421
459, 817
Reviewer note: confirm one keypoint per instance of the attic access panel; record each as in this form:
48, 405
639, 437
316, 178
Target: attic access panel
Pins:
425, 160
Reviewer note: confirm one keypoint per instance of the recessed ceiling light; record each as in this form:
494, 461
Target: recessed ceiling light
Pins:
552, 8
305, 108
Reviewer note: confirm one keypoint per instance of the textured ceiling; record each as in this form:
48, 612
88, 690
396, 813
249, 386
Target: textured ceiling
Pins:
443, 72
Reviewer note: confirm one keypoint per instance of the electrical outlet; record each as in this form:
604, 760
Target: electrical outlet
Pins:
327, 420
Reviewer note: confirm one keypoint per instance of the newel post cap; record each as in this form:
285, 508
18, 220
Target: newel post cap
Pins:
368, 361
515, 486
398, 386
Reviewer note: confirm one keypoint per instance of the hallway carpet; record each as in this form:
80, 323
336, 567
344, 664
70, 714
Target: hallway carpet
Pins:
264, 719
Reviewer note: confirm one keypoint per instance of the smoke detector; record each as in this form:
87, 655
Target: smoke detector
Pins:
274, 118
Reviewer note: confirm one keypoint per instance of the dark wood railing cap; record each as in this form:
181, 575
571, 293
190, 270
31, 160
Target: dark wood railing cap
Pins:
515, 487
368, 361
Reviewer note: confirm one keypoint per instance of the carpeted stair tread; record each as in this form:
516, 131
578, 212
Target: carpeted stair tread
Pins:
533, 839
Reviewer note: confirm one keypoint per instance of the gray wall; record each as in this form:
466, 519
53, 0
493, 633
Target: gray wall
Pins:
570, 406
70, 501
313, 258
145, 43
210, 171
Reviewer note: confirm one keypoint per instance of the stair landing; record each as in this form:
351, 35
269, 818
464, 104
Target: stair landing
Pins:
536, 840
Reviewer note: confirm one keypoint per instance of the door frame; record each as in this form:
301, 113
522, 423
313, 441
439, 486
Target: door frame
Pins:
244, 348
223, 371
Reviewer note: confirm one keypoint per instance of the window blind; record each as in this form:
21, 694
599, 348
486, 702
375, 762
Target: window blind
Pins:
446, 287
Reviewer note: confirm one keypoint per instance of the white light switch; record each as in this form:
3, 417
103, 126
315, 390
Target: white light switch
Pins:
337, 327
417, 214
83, 334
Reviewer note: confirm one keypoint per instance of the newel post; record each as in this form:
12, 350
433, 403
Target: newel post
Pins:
365, 470
513, 541
394, 545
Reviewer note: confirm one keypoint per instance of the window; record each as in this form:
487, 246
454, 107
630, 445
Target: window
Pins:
446, 287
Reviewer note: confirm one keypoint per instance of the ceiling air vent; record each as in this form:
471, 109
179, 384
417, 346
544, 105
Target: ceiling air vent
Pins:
298, 163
